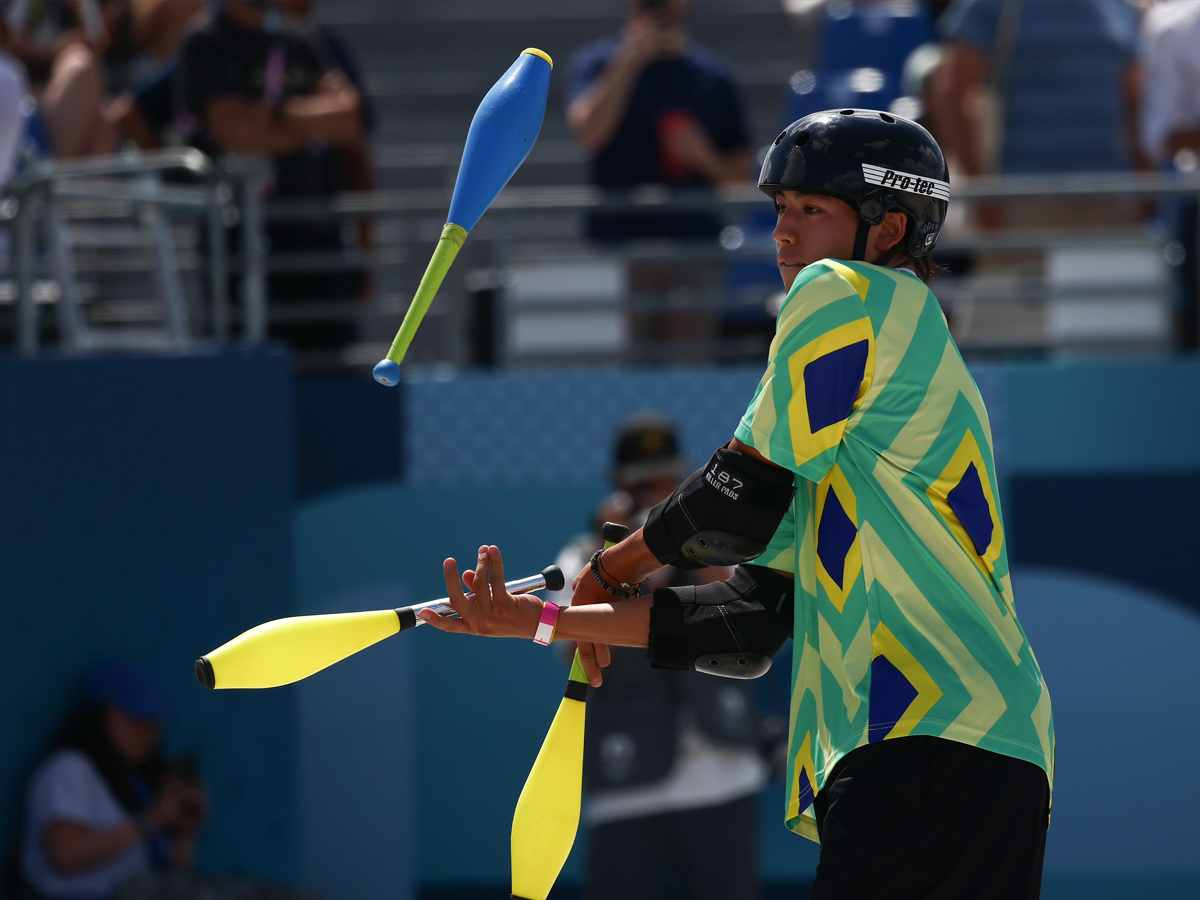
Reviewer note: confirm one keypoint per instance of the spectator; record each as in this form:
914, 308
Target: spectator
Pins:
13, 89
159, 26
1170, 134
105, 806
671, 758
63, 44
151, 114
256, 83
335, 51
653, 107
1061, 74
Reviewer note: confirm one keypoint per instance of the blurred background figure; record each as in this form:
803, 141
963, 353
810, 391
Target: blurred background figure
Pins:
652, 107
671, 759
106, 807
71, 49
1040, 86
159, 26
257, 83
1169, 51
13, 88
853, 54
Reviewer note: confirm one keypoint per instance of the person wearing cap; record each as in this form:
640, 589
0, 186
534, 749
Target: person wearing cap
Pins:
105, 806
670, 756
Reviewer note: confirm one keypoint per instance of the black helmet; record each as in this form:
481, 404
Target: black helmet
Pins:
876, 161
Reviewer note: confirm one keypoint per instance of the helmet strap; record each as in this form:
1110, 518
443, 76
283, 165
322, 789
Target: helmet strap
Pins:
888, 255
860, 241
860, 244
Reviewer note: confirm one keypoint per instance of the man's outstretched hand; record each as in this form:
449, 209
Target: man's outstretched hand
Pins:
493, 611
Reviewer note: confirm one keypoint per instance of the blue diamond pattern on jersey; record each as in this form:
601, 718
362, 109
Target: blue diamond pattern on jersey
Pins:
891, 695
835, 534
805, 790
831, 383
970, 505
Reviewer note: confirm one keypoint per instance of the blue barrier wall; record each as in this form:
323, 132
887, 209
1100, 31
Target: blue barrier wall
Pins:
146, 511
144, 515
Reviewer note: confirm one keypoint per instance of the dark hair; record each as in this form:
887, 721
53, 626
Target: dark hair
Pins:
86, 730
927, 268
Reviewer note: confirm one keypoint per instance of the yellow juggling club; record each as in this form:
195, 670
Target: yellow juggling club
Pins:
288, 650
547, 814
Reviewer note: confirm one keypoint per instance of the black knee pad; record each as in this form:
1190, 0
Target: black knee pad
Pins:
728, 628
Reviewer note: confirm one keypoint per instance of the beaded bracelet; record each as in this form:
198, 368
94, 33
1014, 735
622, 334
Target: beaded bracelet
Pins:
630, 590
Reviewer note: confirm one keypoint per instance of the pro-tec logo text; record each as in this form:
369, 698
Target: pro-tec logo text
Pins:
904, 181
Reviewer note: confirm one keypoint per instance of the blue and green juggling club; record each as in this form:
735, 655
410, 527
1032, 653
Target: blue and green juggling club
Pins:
502, 133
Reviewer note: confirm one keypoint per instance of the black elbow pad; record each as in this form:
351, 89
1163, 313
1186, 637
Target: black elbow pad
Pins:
724, 514
729, 628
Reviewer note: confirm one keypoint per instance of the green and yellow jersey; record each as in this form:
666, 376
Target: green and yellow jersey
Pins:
904, 619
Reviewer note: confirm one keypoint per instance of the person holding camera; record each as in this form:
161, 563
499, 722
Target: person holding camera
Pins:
106, 806
651, 106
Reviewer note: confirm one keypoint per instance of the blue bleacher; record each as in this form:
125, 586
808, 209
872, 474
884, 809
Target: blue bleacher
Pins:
859, 63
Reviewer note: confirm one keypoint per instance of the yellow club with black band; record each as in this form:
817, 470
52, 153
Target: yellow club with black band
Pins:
289, 650
547, 815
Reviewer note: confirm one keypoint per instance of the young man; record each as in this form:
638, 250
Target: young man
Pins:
921, 735
254, 82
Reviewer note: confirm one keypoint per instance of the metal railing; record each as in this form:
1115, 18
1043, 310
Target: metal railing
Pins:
525, 227
108, 187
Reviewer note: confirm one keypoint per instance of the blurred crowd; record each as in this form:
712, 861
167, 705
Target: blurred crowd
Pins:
1006, 86
88, 77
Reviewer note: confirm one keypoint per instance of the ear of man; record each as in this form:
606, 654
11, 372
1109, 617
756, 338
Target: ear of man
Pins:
890, 232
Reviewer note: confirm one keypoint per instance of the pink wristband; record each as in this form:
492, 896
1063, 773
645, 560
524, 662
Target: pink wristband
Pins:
546, 625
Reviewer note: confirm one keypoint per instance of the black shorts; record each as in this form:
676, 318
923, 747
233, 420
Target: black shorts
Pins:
922, 817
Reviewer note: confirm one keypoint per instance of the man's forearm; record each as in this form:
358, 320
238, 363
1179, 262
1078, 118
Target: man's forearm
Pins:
625, 623
595, 116
250, 126
727, 168
630, 561
329, 117
243, 126
71, 847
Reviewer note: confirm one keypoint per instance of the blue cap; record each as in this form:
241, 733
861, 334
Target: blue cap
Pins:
127, 687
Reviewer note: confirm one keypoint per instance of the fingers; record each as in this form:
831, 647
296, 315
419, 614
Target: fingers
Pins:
441, 623
459, 601
499, 593
468, 578
482, 583
454, 589
603, 655
587, 658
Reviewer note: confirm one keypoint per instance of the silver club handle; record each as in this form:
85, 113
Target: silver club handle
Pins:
550, 579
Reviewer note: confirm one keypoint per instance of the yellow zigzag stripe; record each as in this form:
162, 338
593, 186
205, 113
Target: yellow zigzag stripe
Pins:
987, 703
